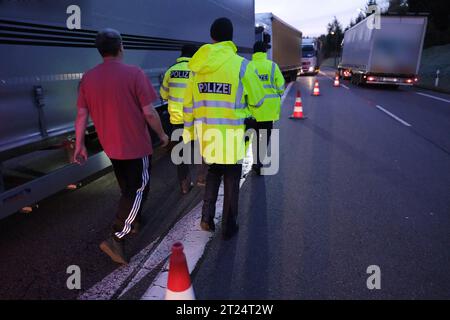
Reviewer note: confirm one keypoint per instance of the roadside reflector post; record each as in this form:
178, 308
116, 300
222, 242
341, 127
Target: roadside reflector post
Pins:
436, 82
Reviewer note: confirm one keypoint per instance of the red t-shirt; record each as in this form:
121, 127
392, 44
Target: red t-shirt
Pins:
115, 93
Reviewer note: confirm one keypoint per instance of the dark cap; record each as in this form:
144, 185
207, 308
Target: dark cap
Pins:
259, 46
188, 50
222, 30
108, 42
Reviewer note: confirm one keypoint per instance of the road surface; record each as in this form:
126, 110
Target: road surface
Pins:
358, 186
365, 180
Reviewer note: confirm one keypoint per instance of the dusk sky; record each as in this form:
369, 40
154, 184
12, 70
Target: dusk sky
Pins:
312, 17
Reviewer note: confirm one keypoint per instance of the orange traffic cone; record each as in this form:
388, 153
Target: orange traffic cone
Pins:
336, 81
179, 285
298, 108
316, 91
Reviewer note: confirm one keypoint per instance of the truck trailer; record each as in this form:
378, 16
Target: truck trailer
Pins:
284, 43
389, 54
43, 60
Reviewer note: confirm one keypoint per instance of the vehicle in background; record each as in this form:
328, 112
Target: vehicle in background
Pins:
284, 43
43, 62
310, 56
388, 55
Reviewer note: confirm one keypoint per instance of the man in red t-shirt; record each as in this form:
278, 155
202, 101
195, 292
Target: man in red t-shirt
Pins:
119, 98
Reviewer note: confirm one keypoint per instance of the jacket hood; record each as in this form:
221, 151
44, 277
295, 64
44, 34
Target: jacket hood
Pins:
180, 59
211, 57
259, 56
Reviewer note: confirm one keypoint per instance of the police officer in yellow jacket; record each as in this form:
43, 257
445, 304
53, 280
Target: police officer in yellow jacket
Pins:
271, 77
217, 102
173, 90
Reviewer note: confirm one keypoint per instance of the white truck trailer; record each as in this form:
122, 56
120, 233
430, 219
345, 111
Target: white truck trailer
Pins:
389, 54
284, 42
42, 62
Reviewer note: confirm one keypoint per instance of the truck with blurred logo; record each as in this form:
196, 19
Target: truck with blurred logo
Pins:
387, 52
310, 56
284, 43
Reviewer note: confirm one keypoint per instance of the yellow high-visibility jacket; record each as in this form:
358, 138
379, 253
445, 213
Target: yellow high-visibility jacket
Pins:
217, 100
270, 75
173, 88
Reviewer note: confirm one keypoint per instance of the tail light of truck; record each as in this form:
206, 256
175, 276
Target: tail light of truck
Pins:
371, 79
409, 80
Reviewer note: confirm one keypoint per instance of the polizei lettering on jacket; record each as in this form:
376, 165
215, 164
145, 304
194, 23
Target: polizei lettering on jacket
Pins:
178, 74
214, 87
263, 77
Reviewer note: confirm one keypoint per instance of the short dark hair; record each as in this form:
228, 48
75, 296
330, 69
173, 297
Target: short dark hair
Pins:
188, 50
108, 42
259, 46
222, 30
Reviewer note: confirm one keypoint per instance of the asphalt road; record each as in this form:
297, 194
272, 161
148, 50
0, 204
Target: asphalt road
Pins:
37, 248
355, 188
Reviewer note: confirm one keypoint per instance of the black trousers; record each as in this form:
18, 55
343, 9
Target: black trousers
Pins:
133, 177
260, 134
231, 178
182, 169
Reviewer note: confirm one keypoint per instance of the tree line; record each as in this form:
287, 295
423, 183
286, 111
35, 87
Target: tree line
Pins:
438, 29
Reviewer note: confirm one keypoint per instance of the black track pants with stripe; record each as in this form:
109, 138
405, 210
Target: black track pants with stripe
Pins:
133, 177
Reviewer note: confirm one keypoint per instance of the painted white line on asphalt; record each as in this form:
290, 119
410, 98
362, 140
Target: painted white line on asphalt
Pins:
345, 86
433, 97
286, 92
325, 75
394, 116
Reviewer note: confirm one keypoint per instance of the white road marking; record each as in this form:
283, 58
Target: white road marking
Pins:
433, 97
394, 116
343, 85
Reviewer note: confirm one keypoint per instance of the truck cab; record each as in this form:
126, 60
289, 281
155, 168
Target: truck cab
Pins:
310, 57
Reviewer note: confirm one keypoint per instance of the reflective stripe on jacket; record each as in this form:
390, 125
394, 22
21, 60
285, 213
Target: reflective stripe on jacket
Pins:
173, 88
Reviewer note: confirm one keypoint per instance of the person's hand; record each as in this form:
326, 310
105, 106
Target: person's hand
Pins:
164, 140
80, 155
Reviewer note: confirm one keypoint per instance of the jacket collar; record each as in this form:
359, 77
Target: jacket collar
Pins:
183, 59
259, 56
